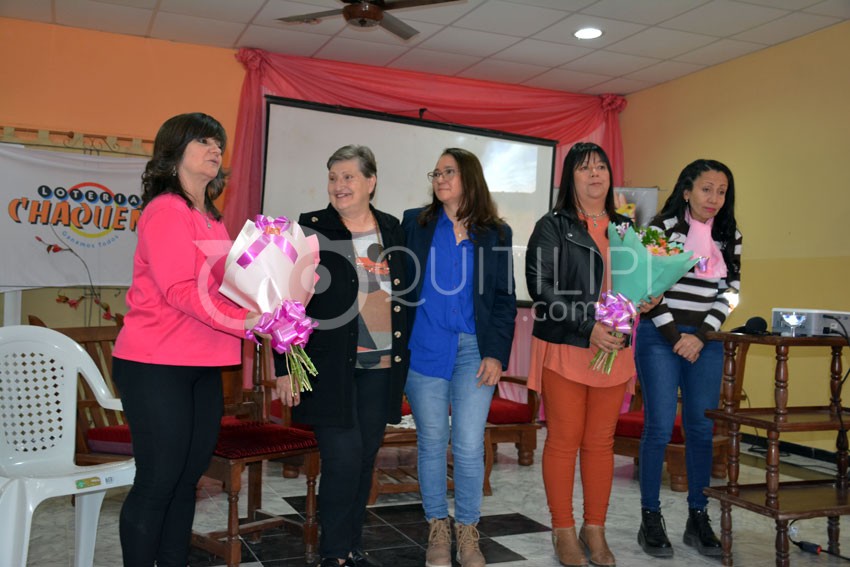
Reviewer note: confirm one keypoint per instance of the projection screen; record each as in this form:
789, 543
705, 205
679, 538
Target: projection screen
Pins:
301, 136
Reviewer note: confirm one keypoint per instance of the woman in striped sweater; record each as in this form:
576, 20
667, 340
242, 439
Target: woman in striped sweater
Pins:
672, 353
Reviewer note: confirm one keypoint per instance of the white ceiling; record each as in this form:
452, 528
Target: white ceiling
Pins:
527, 42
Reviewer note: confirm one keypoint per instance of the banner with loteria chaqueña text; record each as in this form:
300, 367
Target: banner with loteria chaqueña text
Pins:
67, 218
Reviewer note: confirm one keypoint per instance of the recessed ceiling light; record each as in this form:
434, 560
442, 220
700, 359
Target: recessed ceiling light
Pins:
588, 33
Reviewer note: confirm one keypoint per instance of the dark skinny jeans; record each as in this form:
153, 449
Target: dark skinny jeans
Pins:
174, 414
348, 458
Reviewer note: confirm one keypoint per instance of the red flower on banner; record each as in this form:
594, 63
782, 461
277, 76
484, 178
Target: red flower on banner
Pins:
52, 248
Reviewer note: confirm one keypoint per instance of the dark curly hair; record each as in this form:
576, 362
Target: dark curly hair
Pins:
174, 135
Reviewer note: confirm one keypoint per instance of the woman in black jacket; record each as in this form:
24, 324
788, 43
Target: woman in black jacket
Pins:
359, 348
566, 272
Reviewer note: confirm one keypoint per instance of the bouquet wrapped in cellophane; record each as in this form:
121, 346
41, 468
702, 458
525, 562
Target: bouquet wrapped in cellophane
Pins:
271, 269
643, 264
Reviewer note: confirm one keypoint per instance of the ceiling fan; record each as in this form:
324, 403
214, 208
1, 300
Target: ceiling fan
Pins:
368, 13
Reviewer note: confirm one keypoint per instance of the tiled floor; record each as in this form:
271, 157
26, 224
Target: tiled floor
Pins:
514, 525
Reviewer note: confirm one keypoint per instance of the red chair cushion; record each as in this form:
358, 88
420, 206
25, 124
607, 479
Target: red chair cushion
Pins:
503, 411
257, 438
630, 424
251, 438
114, 439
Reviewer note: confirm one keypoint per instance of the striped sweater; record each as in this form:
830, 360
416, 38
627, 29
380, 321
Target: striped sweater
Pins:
692, 301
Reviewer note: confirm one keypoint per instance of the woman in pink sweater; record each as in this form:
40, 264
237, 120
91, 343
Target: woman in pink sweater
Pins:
177, 334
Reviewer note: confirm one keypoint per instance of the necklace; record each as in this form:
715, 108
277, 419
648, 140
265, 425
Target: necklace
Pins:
593, 217
458, 228
206, 217
461, 232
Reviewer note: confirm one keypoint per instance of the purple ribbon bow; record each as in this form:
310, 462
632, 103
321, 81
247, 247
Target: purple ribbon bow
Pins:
702, 264
288, 325
616, 311
271, 229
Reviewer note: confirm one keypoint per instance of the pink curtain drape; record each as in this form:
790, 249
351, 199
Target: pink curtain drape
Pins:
542, 113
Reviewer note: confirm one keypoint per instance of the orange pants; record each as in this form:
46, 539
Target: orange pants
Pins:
579, 417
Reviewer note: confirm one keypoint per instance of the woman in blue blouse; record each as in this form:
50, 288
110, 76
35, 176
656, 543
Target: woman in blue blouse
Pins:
462, 329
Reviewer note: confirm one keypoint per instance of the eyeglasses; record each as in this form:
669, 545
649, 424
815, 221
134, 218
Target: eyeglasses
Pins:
448, 174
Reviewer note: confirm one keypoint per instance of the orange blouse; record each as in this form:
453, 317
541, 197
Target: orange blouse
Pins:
574, 362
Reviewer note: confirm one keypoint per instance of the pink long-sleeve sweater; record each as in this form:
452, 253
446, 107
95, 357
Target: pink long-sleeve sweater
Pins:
176, 315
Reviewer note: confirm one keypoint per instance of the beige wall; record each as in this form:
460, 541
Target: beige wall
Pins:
779, 118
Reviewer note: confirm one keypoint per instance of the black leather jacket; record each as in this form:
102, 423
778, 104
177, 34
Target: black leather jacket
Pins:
564, 271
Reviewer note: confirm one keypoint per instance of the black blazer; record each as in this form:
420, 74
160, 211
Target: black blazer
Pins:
333, 345
493, 295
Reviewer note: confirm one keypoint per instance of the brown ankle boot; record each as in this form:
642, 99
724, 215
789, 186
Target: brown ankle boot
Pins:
593, 537
468, 552
439, 553
567, 547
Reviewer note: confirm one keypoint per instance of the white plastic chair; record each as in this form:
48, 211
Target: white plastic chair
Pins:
38, 402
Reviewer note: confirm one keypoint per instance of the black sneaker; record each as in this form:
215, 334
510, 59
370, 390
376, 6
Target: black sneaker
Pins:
652, 535
698, 534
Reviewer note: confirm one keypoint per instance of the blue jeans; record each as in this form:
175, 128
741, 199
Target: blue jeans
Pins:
430, 399
662, 373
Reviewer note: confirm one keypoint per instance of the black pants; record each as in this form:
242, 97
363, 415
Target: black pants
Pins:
174, 414
348, 458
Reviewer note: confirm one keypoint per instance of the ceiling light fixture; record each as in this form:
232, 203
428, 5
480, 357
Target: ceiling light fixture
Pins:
588, 33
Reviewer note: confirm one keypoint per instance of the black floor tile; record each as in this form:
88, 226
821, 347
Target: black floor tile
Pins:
383, 537
299, 503
416, 531
278, 544
412, 556
297, 562
509, 524
495, 552
400, 514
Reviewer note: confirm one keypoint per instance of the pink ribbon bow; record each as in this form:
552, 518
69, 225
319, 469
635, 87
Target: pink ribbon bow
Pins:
288, 326
271, 234
616, 311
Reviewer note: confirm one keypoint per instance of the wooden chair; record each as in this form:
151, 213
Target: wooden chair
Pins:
630, 426
515, 422
243, 445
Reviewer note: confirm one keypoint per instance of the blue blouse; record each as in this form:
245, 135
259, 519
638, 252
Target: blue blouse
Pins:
446, 303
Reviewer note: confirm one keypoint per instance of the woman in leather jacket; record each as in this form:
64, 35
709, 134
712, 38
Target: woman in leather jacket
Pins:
566, 271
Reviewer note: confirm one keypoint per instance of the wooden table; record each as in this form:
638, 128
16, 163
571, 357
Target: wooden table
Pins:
782, 501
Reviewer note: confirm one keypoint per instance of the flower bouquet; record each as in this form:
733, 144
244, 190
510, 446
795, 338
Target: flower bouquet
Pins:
618, 312
643, 264
271, 269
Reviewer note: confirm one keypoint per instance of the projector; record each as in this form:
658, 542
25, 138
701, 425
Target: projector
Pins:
809, 322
